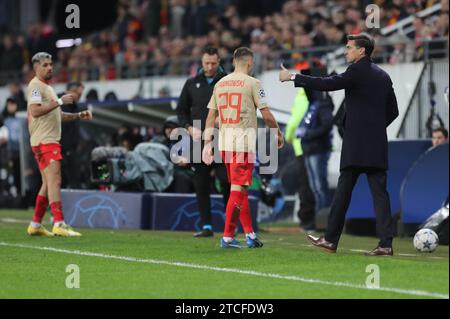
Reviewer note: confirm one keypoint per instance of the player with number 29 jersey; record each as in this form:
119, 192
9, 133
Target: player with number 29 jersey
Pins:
236, 97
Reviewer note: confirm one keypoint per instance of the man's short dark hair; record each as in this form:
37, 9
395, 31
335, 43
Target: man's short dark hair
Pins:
242, 52
210, 51
443, 130
363, 40
10, 100
74, 85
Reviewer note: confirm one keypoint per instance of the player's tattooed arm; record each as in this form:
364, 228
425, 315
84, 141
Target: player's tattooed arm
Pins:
68, 117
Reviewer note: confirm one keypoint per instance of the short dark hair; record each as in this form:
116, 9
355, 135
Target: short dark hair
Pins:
210, 51
10, 100
242, 52
363, 40
443, 130
74, 85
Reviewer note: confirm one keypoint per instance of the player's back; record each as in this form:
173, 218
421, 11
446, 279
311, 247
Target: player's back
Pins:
236, 98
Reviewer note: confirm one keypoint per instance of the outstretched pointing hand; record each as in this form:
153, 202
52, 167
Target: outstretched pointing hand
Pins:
284, 75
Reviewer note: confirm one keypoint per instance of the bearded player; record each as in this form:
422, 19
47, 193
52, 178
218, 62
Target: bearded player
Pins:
44, 124
235, 99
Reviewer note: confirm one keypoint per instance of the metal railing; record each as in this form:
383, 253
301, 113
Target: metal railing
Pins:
431, 49
433, 79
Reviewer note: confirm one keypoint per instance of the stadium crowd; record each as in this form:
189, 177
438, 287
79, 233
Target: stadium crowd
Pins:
167, 36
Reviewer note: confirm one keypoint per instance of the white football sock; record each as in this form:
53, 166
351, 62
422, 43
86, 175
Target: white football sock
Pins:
251, 235
227, 239
35, 225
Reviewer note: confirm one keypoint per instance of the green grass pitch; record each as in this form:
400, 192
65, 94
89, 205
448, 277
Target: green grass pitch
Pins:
159, 264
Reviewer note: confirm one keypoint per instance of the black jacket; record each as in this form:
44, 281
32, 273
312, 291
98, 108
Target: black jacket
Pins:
194, 99
317, 137
70, 131
371, 106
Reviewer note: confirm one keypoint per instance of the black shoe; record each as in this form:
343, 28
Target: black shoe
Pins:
204, 233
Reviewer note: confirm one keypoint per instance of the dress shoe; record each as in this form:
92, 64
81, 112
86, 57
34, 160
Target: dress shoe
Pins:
380, 251
204, 233
322, 244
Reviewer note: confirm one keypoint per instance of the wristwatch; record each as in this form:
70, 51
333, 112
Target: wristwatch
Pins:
60, 101
293, 75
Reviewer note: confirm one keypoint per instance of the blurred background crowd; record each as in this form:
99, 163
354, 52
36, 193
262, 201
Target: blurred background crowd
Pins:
150, 37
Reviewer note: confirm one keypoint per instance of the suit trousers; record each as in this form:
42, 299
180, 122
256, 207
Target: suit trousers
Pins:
377, 182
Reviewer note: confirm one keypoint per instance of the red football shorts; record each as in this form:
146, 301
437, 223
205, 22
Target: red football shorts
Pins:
46, 153
239, 167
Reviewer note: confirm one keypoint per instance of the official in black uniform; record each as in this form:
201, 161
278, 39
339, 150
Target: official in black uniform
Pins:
70, 136
192, 105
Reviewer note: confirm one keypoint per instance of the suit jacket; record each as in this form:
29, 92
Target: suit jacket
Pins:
370, 105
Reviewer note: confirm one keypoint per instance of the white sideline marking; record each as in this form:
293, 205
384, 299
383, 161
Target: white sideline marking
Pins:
231, 270
14, 221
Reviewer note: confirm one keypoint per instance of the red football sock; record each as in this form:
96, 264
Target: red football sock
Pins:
40, 208
232, 214
57, 212
246, 216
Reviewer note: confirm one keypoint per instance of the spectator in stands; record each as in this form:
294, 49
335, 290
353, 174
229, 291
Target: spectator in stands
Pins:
16, 93
403, 49
70, 136
10, 55
439, 136
224, 24
178, 10
12, 123
422, 33
92, 96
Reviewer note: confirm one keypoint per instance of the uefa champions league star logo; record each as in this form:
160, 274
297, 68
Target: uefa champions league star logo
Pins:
93, 207
188, 215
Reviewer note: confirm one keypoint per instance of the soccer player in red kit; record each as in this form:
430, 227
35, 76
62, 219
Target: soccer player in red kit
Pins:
44, 124
235, 99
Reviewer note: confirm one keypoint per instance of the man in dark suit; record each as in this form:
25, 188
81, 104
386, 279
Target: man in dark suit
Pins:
371, 106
